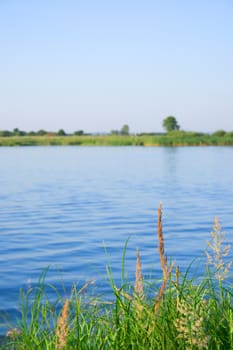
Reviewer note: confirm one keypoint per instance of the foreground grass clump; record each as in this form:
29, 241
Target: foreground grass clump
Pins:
175, 312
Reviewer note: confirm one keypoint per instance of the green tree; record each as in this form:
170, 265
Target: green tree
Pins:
41, 132
219, 133
170, 124
31, 133
17, 132
115, 132
5, 133
79, 133
125, 130
61, 132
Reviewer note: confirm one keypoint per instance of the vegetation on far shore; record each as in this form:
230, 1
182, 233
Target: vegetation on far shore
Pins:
173, 138
177, 311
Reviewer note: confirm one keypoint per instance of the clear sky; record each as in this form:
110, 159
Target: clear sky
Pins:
98, 64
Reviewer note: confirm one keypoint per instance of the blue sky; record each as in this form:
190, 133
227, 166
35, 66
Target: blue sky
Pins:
96, 65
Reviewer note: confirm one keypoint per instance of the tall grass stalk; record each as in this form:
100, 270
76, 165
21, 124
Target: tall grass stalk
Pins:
174, 312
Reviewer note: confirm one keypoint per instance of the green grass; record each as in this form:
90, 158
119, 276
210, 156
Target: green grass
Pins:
177, 311
176, 138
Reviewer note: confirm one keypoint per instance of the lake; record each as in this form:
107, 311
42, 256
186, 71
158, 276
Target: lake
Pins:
64, 207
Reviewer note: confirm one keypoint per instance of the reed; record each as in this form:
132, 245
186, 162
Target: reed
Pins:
62, 330
138, 287
217, 252
167, 270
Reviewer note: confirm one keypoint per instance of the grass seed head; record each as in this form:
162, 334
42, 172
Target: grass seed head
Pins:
217, 251
138, 287
190, 324
63, 326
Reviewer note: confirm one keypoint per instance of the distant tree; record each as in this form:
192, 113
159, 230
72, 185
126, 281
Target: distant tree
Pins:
125, 130
17, 132
41, 132
219, 133
79, 133
31, 133
61, 132
5, 133
170, 124
115, 132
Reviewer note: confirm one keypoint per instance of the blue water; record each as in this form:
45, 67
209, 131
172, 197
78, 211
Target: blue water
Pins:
61, 206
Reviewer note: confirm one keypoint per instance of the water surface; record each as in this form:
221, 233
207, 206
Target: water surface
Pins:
60, 206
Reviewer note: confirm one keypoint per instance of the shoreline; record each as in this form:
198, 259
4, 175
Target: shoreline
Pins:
177, 140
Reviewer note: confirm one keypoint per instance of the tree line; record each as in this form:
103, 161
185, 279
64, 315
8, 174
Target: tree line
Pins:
61, 132
170, 124
41, 132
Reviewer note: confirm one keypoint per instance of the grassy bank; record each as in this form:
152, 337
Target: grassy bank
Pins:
177, 311
177, 138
